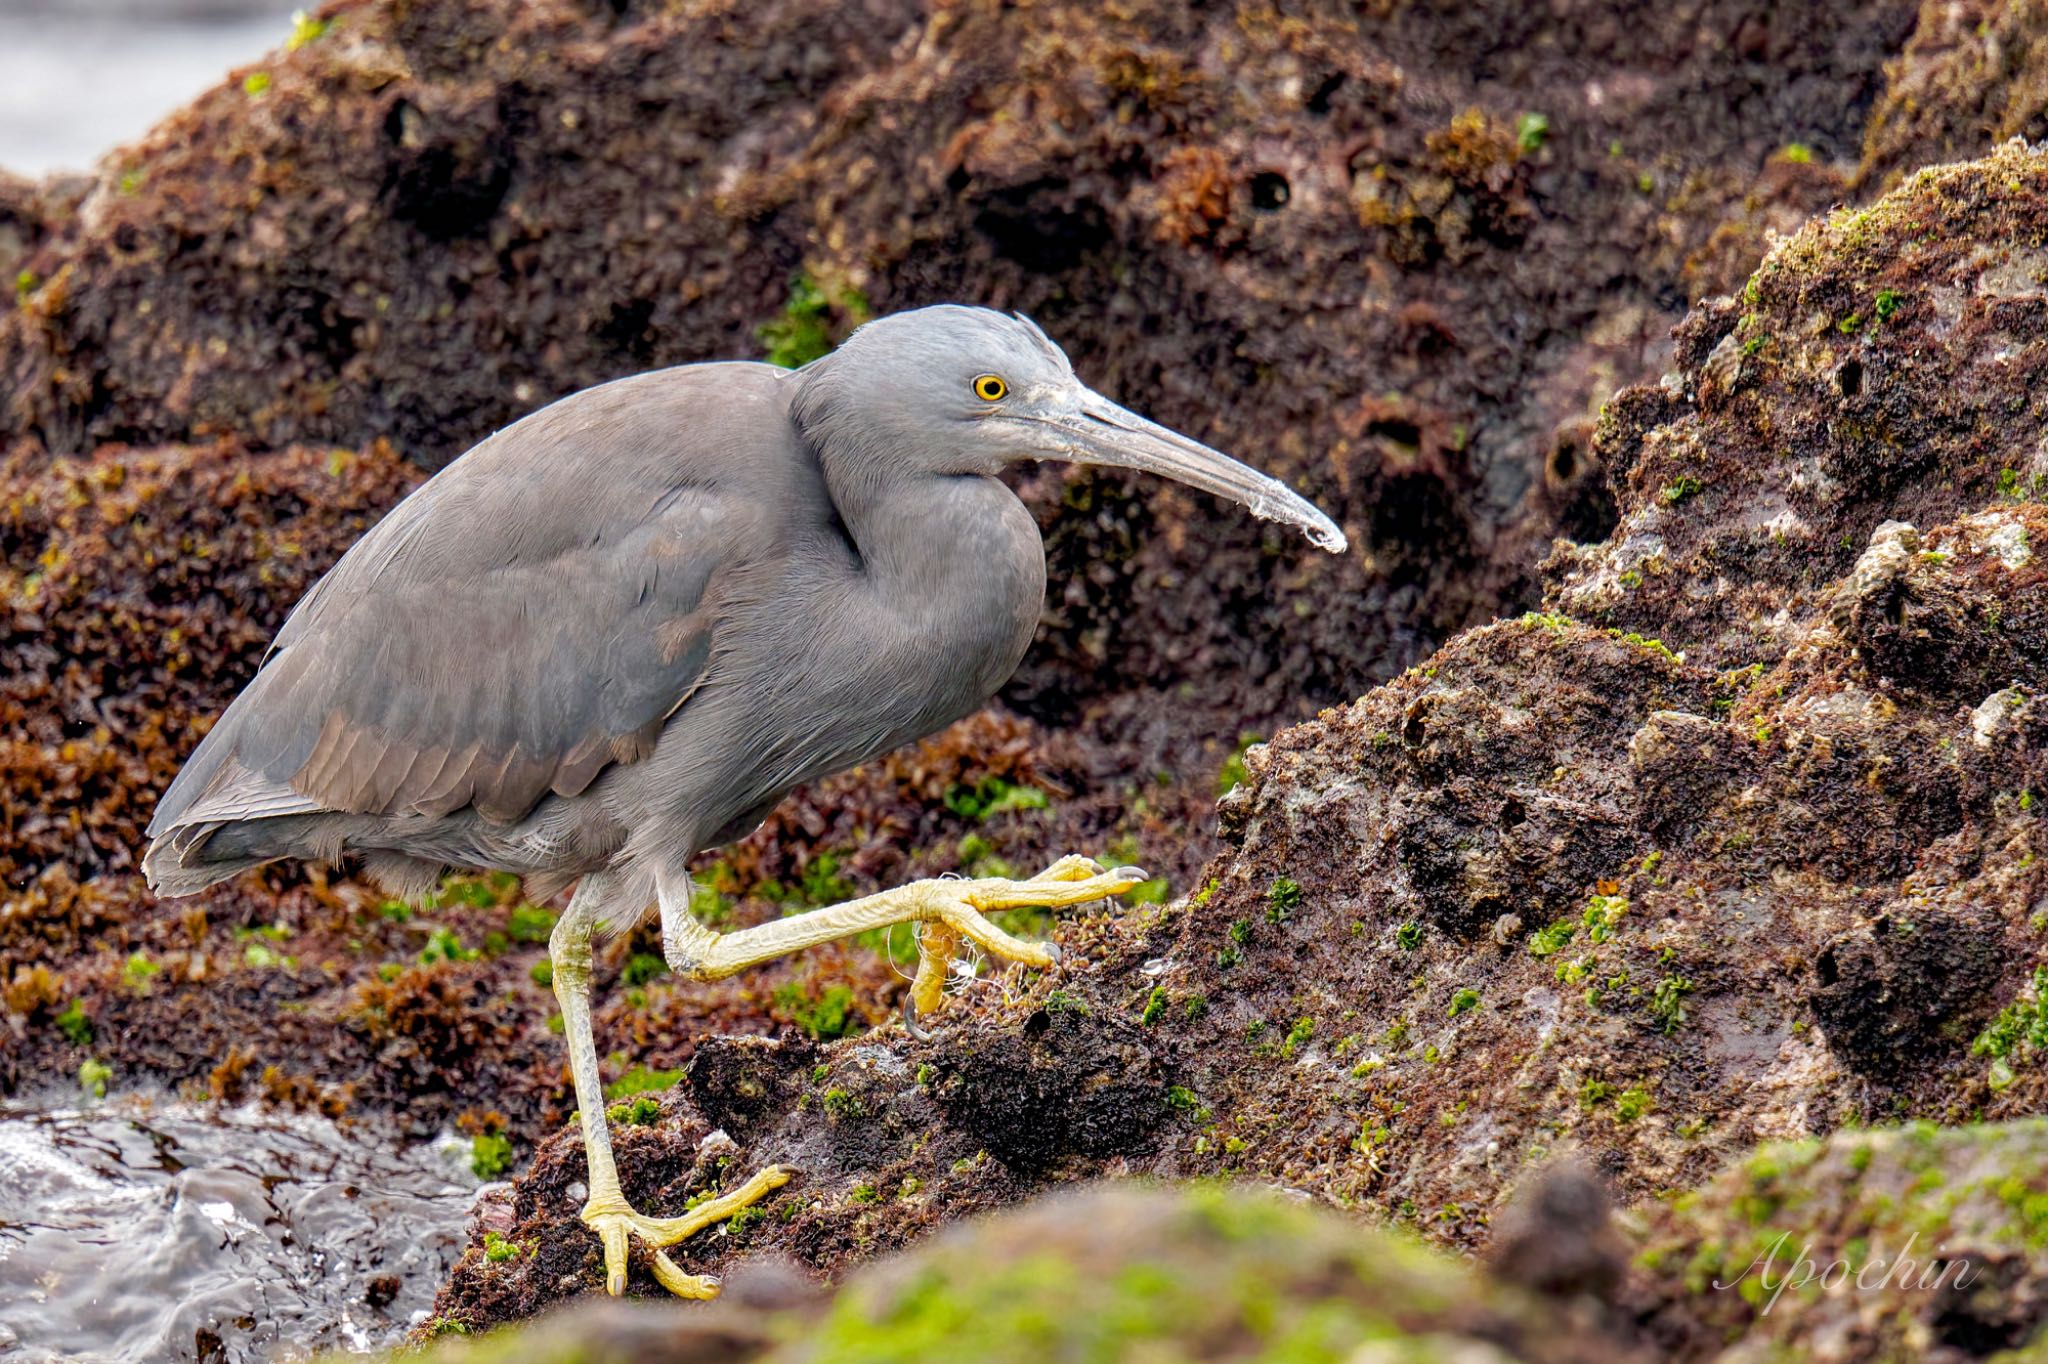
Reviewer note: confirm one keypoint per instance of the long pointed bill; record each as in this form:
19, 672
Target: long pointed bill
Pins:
1101, 432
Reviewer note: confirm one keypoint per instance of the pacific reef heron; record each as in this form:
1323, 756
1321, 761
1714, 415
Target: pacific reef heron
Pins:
620, 630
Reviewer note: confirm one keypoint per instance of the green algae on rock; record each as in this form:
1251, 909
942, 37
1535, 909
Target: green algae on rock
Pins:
1108, 1272
1780, 790
1772, 751
1317, 240
1919, 1242
1320, 241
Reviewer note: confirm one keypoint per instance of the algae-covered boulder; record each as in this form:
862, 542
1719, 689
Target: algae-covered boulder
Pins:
1737, 841
137, 585
1734, 839
1124, 1272
1916, 1242
1972, 74
1919, 1242
1394, 254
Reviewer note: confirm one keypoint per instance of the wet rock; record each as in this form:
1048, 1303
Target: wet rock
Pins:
1972, 74
1685, 766
415, 230
744, 1083
431, 218
1887, 990
1065, 1084
426, 219
138, 586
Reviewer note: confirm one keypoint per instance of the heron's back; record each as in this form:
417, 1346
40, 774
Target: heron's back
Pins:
529, 617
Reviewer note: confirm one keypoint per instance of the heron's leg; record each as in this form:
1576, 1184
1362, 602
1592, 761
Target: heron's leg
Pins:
960, 906
939, 944
606, 1211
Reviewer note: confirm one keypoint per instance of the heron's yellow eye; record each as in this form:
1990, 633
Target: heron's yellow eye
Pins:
991, 388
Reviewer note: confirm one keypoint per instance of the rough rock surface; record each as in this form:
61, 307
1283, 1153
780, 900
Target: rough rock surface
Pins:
1395, 254
1920, 1242
1973, 73
1735, 842
1917, 1242
1110, 1272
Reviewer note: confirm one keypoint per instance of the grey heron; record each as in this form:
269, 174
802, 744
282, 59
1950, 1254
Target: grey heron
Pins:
619, 631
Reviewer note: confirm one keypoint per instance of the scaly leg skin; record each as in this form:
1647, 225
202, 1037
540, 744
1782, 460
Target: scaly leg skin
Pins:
606, 1211
939, 943
952, 910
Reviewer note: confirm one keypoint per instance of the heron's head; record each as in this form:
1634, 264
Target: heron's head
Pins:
968, 390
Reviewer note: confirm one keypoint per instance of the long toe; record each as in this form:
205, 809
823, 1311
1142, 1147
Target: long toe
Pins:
991, 895
616, 1224
613, 1230
697, 1287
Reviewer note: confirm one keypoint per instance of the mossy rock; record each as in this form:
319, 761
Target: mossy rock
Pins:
1915, 1242
1107, 1272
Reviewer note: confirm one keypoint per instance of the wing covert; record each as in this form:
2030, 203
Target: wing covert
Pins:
531, 615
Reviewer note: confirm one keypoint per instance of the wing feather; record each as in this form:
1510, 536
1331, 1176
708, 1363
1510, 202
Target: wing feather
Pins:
531, 615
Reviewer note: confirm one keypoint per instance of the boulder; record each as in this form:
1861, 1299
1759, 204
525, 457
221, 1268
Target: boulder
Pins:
1736, 841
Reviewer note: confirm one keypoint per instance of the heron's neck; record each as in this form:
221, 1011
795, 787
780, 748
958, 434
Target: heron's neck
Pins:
942, 555
923, 532
951, 569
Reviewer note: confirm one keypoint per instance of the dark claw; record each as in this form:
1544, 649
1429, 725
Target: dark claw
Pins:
1052, 949
1130, 874
910, 1019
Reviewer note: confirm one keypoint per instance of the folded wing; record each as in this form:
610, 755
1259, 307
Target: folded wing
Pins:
531, 615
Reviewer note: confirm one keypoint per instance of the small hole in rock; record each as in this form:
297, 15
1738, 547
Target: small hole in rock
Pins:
1850, 377
1400, 431
1269, 191
1319, 102
1564, 461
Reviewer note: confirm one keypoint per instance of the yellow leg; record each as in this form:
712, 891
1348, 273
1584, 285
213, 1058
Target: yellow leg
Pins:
960, 905
939, 944
605, 1210
954, 911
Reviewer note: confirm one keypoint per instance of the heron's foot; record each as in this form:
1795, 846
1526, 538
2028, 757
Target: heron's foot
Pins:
959, 916
608, 1214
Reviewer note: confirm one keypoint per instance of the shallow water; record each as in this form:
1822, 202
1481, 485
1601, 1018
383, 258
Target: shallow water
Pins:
136, 1231
79, 76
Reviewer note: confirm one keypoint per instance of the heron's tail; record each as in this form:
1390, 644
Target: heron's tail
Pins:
176, 862
219, 818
